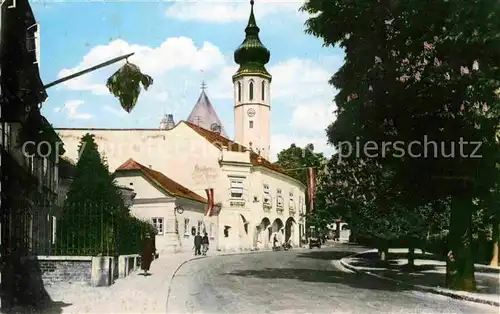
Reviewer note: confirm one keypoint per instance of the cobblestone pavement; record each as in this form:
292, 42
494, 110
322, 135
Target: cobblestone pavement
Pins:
307, 281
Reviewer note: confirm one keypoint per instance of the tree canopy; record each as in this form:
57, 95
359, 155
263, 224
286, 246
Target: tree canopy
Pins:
418, 93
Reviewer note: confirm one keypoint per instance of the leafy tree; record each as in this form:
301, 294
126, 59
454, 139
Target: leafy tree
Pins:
418, 71
295, 161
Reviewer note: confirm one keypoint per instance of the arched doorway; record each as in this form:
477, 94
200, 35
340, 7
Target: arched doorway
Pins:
276, 229
290, 230
261, 239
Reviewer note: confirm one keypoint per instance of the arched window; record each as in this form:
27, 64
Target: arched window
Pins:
250, 90
239, 91
263, 89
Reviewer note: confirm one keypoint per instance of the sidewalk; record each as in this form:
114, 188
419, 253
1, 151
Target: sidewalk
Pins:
132, 294
429, 274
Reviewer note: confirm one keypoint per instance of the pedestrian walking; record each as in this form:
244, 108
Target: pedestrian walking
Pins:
205, 242
197, 244
147, 253
275, 242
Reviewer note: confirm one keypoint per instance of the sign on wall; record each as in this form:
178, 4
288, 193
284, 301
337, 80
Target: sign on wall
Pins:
204, 174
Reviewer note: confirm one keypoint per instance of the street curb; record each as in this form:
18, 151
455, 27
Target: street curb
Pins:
419, 287
206, 256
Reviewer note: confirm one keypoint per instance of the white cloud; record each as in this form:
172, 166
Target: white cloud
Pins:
230, 10
177, 52
71, 109
299, 86
312, 118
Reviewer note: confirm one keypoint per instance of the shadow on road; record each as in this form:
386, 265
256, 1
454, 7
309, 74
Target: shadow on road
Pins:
23, 290
326, 255
326, 276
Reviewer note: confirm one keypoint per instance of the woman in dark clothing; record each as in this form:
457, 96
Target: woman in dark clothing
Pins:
147, 253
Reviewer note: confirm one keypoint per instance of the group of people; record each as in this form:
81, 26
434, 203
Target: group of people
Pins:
148, 247
200, 242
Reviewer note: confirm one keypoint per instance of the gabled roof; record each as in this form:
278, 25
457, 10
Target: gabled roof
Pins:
219, 141
161, 181
204, 115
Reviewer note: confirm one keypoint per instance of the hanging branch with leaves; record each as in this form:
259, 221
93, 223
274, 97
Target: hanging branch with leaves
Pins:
125, 84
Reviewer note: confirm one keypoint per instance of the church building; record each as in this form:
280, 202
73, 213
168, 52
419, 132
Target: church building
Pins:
188, 177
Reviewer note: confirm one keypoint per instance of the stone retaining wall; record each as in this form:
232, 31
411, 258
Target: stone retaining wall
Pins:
71, 269
92, 270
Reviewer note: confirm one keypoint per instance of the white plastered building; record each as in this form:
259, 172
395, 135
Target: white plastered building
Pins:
170, 167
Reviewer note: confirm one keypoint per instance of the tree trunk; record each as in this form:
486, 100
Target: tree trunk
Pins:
383, 254
460, 262
411, 258
495, 240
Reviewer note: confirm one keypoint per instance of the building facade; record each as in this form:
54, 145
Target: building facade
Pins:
258, 200
29, 165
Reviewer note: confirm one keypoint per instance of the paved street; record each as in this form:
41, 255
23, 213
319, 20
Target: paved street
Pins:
299, 281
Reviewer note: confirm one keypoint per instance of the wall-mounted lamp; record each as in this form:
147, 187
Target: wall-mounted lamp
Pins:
179, 209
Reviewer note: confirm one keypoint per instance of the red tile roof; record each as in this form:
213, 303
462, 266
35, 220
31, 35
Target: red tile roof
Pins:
219, 141
162, 181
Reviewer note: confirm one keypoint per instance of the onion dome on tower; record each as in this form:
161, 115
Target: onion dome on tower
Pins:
252, 55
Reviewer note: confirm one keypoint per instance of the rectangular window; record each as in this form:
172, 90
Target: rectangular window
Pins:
279, 198
236, 189
266, 199
45, 166
291, 204
212, 229
31, 41
30, 161
158, 223
176, 226
186, 226
29, 231
54, 229
6, 136
266, 188
250, 124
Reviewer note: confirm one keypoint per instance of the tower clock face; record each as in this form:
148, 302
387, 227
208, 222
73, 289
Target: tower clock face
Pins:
251, 112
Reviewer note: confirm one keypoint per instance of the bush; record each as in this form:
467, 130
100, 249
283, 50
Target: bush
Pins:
132, 231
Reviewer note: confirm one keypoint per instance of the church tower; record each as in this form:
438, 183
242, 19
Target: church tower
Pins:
252, 98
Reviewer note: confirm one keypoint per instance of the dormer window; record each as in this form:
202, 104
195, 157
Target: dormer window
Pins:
263, 89
239, 91
250, 90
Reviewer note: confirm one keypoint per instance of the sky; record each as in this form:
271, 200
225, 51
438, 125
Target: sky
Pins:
179, 44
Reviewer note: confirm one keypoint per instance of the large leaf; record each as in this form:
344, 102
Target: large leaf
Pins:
125, 84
